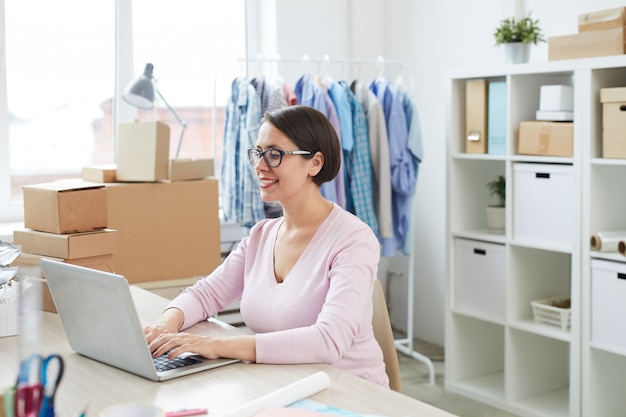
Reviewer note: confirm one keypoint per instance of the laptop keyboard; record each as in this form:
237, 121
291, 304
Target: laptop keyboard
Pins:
162, 363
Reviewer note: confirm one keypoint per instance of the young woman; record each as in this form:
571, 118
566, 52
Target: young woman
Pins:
305, 279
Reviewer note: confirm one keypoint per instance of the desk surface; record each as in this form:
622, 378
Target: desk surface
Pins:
96, 385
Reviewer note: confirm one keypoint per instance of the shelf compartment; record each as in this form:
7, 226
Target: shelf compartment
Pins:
607, 205
605, 385
470, 192
477, 355
536, 274
537, 374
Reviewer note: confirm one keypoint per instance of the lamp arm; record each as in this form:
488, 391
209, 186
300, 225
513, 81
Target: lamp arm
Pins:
181, 121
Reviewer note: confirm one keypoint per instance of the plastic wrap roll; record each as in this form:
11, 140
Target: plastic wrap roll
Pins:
284, 396
607, 241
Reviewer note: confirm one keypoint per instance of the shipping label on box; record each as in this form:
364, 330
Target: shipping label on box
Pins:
143, 151
476, 116
602, 19
67, 246
613, 122
546, 138
587, 44
65, 207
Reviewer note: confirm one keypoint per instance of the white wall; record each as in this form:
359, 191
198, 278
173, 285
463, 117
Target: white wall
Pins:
432, 37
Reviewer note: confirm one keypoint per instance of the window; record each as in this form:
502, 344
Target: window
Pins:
60, 68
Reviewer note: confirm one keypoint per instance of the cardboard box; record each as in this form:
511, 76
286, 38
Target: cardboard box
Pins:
587, 44
67, 246
476, 116
65, 207
546, 138
602, 19
31, 263
556, 98
613, 122
166, 230
99, 173
143, 151
190, 169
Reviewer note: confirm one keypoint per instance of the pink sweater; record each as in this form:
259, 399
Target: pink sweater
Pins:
321, 313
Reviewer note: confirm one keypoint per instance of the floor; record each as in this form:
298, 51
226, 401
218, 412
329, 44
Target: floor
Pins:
415, 384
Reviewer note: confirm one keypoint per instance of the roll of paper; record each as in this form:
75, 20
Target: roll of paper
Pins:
284, 396
607, 241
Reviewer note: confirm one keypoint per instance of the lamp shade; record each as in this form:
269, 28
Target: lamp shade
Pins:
140, 92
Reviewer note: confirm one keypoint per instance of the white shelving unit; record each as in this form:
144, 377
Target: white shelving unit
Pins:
504, 358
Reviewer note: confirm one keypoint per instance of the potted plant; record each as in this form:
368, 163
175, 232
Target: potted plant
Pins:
496, 213
517, 35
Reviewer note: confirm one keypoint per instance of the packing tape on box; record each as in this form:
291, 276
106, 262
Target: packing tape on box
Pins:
284, 396
608, 241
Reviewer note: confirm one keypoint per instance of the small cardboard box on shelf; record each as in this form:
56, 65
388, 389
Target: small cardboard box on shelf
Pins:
546, 138
65, 206
602, 19
613, 122
588, 44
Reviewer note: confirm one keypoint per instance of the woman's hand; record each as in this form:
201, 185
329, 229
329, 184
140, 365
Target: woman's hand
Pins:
178, 343
170, 322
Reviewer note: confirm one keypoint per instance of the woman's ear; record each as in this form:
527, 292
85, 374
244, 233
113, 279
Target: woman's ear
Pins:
317, 162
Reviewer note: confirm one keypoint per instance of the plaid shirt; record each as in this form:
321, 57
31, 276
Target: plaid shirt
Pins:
239, 184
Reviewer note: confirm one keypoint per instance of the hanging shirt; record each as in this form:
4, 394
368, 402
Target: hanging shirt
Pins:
344, 114
381, 167
414, 144
358, 164
402, 169
239, 184
321, 313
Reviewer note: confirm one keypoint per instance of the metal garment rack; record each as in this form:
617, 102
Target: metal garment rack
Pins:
404, 345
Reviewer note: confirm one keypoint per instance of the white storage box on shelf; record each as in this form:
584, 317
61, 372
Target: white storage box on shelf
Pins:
608, 309
480, 287
543, 203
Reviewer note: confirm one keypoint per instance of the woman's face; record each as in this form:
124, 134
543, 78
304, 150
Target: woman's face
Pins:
294, 172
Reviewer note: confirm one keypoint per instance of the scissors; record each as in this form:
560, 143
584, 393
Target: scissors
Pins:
35, 389
50, 386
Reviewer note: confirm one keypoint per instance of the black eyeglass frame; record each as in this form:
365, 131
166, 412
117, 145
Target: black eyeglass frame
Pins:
255, 155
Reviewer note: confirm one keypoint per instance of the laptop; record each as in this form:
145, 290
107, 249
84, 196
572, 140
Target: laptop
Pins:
100, 320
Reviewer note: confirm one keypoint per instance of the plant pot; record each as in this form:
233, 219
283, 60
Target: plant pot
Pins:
496, 219
517, 52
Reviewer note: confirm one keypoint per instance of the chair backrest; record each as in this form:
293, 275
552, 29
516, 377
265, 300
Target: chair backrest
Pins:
384, 336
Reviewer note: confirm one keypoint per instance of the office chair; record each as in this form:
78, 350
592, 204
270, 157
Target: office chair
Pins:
384, 336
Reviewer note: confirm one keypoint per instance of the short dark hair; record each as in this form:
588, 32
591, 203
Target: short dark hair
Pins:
311, 131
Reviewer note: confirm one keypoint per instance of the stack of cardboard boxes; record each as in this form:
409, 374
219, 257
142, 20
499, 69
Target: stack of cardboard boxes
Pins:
600, 33
65, 221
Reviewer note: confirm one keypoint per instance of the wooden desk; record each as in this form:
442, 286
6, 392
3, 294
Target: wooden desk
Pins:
96, 385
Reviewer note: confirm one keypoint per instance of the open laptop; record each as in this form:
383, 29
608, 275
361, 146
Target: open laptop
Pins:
101, 322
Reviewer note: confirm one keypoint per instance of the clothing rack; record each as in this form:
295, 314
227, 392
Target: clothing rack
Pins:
403, 345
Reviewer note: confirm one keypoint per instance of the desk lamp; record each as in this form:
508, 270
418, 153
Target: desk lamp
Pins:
140, 93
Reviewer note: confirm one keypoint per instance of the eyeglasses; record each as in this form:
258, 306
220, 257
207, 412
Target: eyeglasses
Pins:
272, 157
